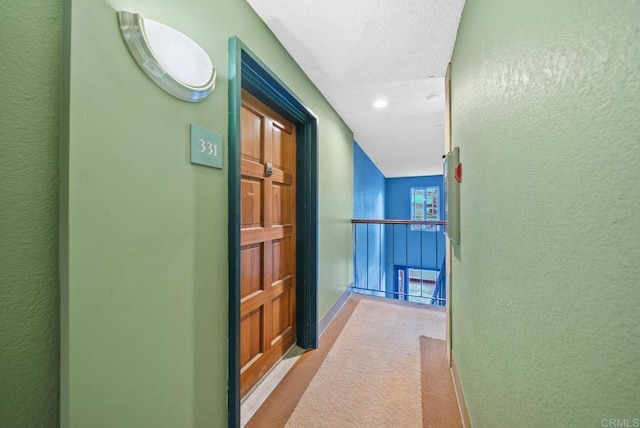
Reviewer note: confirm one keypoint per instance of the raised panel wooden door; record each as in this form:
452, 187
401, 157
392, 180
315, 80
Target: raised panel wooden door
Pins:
268, 227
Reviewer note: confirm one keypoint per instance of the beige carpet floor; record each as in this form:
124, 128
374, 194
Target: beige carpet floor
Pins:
369, 372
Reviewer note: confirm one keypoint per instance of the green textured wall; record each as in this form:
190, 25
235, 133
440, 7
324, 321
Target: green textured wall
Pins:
145, 318
29, 89
546, 328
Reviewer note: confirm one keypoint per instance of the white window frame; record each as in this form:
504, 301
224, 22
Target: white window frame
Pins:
430, 207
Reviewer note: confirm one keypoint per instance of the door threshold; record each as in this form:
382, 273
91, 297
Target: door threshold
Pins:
251, 402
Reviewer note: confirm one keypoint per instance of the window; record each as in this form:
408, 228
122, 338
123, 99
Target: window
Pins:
425, 205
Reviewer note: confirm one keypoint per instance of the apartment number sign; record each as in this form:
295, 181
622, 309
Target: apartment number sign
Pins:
206, 147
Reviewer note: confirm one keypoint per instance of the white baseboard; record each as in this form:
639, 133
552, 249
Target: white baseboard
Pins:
333, 311
462, 405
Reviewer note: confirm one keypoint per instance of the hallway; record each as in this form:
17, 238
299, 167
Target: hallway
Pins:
352, 381
118, 273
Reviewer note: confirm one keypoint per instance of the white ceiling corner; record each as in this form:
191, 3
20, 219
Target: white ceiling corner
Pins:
358, 51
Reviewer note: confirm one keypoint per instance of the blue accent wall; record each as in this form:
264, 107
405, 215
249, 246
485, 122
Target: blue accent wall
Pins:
368, 186
368, 203
377, 197
402, 238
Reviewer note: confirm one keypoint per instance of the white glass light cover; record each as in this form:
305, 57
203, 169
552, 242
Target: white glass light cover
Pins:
171, 59
380, 103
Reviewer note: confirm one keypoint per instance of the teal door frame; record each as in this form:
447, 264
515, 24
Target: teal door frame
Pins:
248, 72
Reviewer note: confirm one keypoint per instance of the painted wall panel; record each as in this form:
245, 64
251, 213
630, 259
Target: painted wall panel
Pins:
368, 186
368, 203
406, 247
545, 282
30, 91
145, 335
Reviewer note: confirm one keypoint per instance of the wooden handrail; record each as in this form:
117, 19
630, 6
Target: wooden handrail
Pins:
378, 221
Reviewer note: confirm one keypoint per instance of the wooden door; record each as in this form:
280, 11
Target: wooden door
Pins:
268, 240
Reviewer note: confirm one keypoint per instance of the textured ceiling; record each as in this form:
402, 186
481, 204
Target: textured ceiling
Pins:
358, 51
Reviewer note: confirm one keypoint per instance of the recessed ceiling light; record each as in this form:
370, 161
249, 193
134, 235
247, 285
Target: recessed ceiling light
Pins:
381, 103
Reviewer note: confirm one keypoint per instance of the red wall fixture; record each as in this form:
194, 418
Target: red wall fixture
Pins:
458, 173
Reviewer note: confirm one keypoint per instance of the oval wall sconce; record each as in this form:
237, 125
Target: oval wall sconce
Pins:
171, 59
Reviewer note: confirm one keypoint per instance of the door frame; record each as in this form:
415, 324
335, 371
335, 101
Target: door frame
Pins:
448, 249
248, 72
